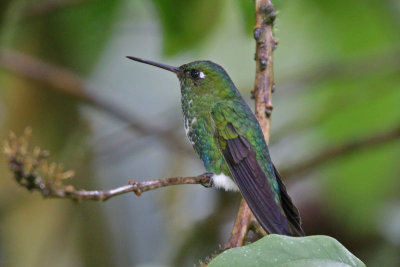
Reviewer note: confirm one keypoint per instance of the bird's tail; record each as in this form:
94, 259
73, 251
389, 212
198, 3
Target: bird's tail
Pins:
291, 212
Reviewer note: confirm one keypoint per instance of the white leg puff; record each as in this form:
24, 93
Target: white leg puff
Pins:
225, 182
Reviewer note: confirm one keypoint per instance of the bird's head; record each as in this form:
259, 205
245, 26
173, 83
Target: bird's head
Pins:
199, 78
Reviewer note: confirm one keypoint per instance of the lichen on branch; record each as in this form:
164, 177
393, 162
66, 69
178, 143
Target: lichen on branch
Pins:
30, 167
32, 171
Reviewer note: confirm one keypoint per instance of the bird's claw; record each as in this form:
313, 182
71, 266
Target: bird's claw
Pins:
210, 182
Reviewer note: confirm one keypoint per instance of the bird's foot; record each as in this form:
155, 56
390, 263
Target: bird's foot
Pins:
210, 182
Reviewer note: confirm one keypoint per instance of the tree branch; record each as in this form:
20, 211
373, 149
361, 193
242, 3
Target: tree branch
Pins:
34, 173
264, 81
338, 151
240, 227
69, 83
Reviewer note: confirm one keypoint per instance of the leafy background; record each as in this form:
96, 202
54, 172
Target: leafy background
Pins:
337, 72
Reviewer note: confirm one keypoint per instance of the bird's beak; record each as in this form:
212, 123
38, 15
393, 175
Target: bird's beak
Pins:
160, 65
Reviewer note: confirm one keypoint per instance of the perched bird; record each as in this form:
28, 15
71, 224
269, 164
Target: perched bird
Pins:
228, 138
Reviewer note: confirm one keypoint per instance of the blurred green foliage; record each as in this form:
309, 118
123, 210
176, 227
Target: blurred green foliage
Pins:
183, 22
338, 80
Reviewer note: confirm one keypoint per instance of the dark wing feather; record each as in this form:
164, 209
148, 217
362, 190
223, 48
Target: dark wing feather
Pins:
253, 184
292, 214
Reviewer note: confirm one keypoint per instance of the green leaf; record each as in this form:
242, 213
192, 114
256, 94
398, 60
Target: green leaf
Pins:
279, 250
185, 23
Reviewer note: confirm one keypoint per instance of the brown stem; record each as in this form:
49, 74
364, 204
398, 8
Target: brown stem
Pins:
240, 227
136, 187
337, 151
33, 172
264, 81
29, 167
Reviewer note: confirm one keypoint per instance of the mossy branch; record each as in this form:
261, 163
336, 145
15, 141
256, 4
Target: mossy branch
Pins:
32, 171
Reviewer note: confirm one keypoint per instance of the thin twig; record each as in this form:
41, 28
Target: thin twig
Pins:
32, 171
264, 81
338, 151
73, 85
70, 192
241, 226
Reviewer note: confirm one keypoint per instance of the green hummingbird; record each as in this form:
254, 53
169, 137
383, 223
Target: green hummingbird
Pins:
227, 136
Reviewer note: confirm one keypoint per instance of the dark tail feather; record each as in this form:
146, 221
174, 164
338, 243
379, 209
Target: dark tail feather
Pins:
253, 184
291, 212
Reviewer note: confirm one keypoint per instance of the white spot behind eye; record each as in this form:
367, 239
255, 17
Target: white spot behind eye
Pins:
201, 75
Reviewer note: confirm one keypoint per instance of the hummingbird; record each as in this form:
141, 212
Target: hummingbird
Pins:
228, 138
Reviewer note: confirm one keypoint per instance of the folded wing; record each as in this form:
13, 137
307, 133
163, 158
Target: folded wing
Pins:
253, 183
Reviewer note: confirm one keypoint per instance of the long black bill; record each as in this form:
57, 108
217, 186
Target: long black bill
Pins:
160, 65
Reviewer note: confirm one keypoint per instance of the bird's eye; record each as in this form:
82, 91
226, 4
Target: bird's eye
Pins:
195, 74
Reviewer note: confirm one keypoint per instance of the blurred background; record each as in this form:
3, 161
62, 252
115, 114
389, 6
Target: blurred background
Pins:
335, 126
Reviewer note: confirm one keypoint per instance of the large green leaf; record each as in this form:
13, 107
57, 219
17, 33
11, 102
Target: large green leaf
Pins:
279, 250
